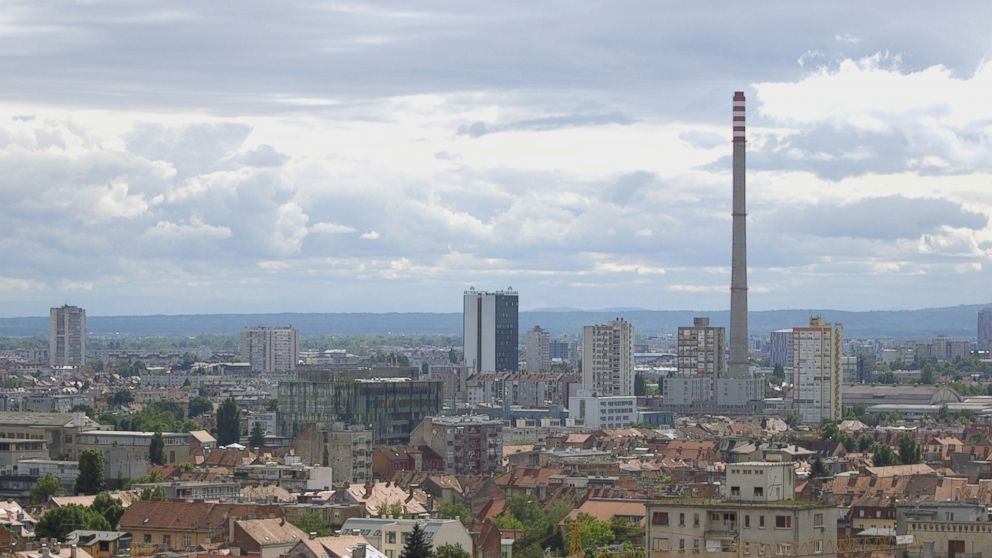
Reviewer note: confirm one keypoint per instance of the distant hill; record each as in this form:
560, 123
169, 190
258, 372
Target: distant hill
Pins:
955, 321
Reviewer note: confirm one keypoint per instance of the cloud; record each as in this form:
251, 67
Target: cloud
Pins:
847, 38
331, 228
371, 235
478, 129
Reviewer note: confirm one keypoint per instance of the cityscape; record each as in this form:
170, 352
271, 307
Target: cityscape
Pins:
273, 366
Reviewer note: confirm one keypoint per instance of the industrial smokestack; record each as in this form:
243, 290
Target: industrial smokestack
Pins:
738, 364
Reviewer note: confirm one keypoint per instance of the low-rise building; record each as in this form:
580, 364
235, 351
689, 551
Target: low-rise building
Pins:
946, 529
176, 525
126, 453
595, 411
390, 535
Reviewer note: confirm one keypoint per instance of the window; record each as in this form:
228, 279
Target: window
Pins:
695, 520
761, 522
759, 491
818, 521
735, 491
783, 522
147, 538
187, 541
747, 548
681, 520
818, 546
657, 518
695, 545
167, 540
391, 537
681, 544
747, 521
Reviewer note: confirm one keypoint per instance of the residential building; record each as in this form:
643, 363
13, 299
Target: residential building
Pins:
945, 529
265, 538
100, 544
126, 453
346, 449
538, 354
390, 407
530, 390
56, 429
182, 526
756, 515
712, 394
389, 535
469, 444
293, 476
985, 329
386, 461
596, 411
490, 330
67, 336
340, 546
562, 350
608, 358
195, 490
780, 348
701, 350
816, 371
270, 350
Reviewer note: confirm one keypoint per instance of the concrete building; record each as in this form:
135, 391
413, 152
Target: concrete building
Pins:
943, 349
816, 371
346, 449
780, 348
389, 407
701, 350
596, 411
985, 329
756, 515
946, 529
67, 336
538, 354
57, 430
491, 330
470, 445
270, 350
704, 394
389, 535
608, 358
126, 453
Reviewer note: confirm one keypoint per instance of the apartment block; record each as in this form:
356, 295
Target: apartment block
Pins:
67, 336
270, 350
608, 358
816, 370
470, 445
538, 353
701, 350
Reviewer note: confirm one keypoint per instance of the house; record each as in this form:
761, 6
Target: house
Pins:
608, 509
343, 546
179, 525
390, 535
268, 538
100, 544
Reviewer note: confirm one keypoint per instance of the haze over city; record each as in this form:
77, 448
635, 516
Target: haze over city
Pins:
385, 156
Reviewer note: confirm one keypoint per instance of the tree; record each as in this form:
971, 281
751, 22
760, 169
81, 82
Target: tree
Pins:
46, 486
626, 531
453, 356
865, 442
454, 510
640, 387
199, 406
910, 451
927, 375
312, 522
91, 472
451, 551
594, 532
883, 456
153, 493
417, 545
508, 522
83, 408
121, 398
818, 470
156, 449
59, 522
228, 422
257, 437
109, 507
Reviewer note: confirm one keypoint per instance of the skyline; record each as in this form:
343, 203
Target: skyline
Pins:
350, 157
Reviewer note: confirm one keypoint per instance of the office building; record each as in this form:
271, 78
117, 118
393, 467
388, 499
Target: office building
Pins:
270, 350
602, 411
985, 329
470, 445
780, 348
608, 358
490, 331
701, 349
816, 371
756, 515
538, 354
67, 336
389, 407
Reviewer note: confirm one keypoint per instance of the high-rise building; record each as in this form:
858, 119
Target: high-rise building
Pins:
608, 358
780, 347
67, 336
270, 349
538, 356
739, 353
985, 329
701, 350
490, 331
816, 371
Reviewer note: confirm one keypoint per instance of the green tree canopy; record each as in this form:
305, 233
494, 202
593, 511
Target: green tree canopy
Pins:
257, 437
91, 477
451, 551
818, 470
46, 486
640, 387
228, 422
594, 532
109, 507
417, 545
200, 406
313, 522
59, 522
883, 456
156, 449
454, 510
121, 398
910, 451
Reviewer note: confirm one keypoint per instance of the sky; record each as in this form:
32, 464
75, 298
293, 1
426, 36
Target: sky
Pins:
210, 157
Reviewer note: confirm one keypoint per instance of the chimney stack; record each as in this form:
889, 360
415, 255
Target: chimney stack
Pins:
358, 551
738, 363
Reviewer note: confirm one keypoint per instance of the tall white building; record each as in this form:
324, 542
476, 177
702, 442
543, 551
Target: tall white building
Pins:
490, 331
270, 349
67, 336
701, 350
608, 358
816, 371
538, 355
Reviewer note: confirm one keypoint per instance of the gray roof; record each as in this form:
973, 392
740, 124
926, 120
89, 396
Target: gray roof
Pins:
45, 419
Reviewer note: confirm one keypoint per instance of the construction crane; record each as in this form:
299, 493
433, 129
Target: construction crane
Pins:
575, 548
